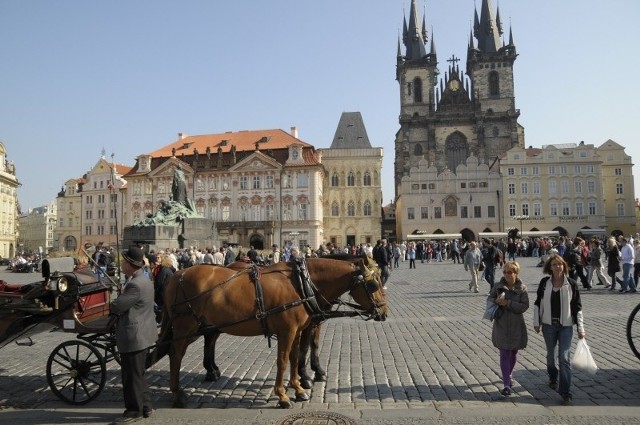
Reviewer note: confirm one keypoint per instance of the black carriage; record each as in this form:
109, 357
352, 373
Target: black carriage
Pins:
71, 300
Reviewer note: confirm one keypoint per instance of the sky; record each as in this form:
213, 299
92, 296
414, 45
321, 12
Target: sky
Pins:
126, 76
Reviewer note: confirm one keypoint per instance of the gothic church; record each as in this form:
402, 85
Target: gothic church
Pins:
446, 120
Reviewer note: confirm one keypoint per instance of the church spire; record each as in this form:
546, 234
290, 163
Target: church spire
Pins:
414, 36
487, 29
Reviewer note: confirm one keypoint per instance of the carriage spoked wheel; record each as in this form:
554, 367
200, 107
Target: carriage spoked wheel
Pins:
633, 331
76, 372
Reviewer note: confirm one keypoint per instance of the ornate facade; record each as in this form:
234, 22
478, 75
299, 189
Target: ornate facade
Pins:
352, 191
260, 187
8, 206
38, 229
447, 122
69, 204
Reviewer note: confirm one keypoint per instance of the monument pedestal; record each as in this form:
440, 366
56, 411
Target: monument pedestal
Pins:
192, 231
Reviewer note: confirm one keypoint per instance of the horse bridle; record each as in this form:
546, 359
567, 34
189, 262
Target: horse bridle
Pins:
366, 277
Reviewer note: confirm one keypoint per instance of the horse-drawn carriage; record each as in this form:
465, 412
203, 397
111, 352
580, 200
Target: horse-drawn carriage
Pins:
70, 300
199, 301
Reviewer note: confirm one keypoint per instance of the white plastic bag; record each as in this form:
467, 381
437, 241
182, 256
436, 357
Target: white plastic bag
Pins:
583, 360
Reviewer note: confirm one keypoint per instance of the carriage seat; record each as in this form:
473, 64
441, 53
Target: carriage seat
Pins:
57, 265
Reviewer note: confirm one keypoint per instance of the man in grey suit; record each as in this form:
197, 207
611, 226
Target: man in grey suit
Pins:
135, 333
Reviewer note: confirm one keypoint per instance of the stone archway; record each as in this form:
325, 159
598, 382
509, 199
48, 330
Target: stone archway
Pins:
257, 241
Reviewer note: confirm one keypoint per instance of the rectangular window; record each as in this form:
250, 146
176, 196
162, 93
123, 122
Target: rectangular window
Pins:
61, 222
512, 188
553, 209
268, 182
525, 209
536, 188
578, 186
269, 210
491, 211
579, 208
411, 214
463, 185
591, 186
226, 212
565, 208
618, 171
464, 212
244, 183
87, 230
511, 171
523, 171
563, 169
424, 213
524, 188
256, 182
302, 211
564, 186
619, 189
590, 169
577, 169
89, 199
415, 187
592, 208
535, 170
437, 212
303, 179
512, 210
537, 209
551, 169
620, 209
432, 186
552, 187
477, 211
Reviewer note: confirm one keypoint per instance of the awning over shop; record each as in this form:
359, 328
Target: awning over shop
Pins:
433, 236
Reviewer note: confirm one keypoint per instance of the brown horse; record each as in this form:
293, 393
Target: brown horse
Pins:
310, 337
207, 300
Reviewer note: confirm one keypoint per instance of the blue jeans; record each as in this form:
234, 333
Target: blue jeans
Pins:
489, 273
627, 277
554, 334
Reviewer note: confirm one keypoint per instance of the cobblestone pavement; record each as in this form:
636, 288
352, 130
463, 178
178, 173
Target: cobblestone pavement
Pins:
432, 361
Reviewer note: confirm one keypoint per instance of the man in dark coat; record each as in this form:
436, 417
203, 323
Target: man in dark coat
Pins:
136, 331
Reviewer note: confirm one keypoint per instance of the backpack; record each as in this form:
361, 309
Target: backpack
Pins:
572, 258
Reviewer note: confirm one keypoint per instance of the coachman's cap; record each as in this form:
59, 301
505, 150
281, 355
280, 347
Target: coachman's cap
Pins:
135, 256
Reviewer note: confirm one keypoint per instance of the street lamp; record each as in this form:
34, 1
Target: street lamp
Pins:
521, 218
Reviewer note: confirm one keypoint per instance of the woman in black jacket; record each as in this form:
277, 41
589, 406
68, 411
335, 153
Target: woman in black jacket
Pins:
613, 262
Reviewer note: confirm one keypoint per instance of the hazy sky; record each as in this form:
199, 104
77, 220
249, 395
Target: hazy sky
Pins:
77, 76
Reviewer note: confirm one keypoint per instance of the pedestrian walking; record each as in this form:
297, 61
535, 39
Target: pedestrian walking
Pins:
509, 333
627, 258
411, 254
136, 331
613, 262
556, 309
472, 261
596, 266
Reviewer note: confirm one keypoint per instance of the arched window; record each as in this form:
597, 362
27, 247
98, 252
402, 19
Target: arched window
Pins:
417, 149
335, 181
494, 84
367, 178
456, 150
351, 209
417, 90
351, 179
366, 210
335, 211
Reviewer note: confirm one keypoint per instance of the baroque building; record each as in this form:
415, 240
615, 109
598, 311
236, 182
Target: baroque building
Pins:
352, 191
260, 187
447, 120
102, 209
38, 229
9, 208
69, 205
618, 189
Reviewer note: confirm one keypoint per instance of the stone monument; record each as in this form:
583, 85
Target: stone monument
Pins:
176, 224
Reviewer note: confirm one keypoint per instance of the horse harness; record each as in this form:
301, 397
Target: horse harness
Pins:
305, 288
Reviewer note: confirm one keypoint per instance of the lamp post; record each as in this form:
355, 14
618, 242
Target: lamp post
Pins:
521, 218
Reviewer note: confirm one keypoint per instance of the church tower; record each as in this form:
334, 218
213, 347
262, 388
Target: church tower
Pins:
445, 120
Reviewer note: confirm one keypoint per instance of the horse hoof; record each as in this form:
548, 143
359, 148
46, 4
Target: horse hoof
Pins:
284, 404
302, 397
179, 400
212, 376
306, 383
320, 378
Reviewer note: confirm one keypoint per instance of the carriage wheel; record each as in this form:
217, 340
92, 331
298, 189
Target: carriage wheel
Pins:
633, 331
76, 372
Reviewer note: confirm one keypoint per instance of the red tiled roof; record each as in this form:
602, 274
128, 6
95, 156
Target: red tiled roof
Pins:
242, 140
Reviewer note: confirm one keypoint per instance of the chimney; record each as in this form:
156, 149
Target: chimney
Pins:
294, 131
181, 136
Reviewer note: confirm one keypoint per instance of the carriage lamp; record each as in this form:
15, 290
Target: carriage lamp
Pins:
63, 284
